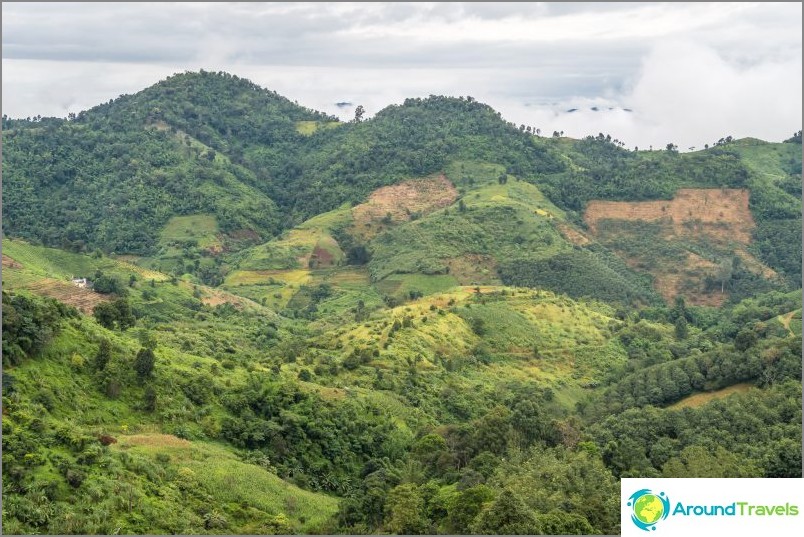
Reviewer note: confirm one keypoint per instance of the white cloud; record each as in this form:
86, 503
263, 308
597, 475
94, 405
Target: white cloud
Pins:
691, 72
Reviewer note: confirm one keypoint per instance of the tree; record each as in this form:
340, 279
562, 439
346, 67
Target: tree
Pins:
305, 375
745, 339
465, 508
405, 511
107, 284
491, 431
681, 328
106, 314
508, 515
725, 271
125, 317
149, 399
697, 461
103, 356
561, 523
144, 362
478, 326
359, 111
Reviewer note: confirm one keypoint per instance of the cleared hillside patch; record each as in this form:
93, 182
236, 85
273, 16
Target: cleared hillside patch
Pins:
700, 399
201, 229
680, 242
722, 215
308, 128
401, 203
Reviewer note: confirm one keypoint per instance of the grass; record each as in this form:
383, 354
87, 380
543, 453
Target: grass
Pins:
699, 399
330, 220
401, 285
308, 128
290, 251
768, 160
469, 174
233, 483
202, 228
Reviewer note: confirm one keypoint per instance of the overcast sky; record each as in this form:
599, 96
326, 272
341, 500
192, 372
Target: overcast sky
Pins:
656, 72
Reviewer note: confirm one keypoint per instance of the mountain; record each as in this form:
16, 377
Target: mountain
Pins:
226, 313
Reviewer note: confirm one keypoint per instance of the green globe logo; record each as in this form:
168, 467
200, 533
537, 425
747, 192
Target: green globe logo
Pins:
648, 508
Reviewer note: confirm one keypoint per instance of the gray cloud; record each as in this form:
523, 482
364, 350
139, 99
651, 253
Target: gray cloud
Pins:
532, 61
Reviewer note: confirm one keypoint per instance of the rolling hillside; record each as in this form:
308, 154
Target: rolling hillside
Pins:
426, 322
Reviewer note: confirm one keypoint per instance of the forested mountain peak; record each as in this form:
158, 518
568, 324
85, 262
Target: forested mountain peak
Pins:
190, 95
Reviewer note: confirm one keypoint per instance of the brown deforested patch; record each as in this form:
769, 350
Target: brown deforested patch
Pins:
400, 203
711, 218
83, 299
474, 269
107, 440
244, 235
722, 215
323, 258
215, 249
687, 280
8, 262
573, 235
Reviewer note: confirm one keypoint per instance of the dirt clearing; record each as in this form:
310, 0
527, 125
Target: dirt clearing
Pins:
402, 202
720, 214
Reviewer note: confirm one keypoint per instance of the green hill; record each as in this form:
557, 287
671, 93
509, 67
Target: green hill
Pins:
429, 322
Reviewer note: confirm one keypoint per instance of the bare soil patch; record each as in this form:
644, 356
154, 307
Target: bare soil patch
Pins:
718, 217
323, 257
687, 281
9, 262
720, 214
83, 299
574, 236
400, 203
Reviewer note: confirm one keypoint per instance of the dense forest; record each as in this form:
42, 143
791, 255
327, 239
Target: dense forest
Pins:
407, 324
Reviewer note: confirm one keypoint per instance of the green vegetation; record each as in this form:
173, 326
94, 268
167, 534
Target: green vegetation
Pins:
253, 361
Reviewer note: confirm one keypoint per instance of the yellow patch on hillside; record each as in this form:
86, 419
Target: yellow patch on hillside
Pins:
397, 203
152, 440
755, 265
348, 276
216, 297
722, 215
251, 277
700, 399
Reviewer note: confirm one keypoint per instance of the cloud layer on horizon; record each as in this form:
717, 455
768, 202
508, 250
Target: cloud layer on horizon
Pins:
690, 73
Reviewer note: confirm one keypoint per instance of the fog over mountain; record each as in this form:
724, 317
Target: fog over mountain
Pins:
690, 73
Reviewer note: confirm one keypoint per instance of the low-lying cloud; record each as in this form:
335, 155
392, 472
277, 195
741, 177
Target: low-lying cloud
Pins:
689, 73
